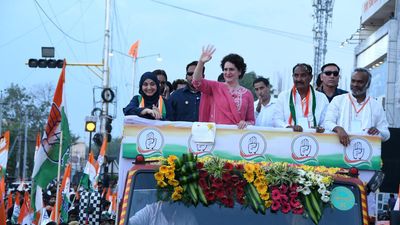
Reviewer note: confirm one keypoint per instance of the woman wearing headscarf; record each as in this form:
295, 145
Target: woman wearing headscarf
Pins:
149, 104
224, 102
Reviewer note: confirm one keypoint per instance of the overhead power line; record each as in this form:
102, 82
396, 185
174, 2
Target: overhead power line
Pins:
61, 30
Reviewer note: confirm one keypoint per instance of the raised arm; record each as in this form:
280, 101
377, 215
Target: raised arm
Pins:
206, 56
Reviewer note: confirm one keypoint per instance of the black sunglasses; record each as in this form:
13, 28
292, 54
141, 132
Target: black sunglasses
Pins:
189, 73
328, 73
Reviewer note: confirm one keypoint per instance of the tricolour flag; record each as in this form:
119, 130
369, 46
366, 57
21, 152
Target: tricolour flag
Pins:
4, 147
65, 186
17, 208
89, 173
133, 51
46, 157
25, 217
3, 214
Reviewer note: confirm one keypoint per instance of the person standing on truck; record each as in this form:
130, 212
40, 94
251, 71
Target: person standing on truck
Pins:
357, 112
264, 106
149, 104
224, 102
163, 213
185, 102
330, 74
301, 106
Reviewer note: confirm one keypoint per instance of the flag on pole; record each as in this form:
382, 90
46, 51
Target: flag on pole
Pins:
102, 153
65, 186
9, 202
133, 51
3, 214
17, 209
46, 157
25, 217
90, 173
4, 147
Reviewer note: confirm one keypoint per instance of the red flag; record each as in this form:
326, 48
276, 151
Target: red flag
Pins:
133, 51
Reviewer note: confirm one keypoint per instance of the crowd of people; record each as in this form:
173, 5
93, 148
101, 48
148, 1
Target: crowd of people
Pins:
16, 198
323, 108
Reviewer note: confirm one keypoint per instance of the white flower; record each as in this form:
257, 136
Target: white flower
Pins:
306, 191
321, 190
325, 198
301, 172
308, 183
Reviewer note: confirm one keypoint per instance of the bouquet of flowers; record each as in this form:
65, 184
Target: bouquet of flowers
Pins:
276, 186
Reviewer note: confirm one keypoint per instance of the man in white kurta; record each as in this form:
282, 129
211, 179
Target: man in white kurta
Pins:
264, 106
357, 112
301, 107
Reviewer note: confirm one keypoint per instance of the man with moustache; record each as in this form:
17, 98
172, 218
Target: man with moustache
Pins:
330, 74
301, 107
184, 102
357, 112
263, 107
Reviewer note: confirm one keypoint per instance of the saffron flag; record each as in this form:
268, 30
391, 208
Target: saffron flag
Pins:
133, 51
3, 214
89, 173
46, 157
17, 209
65, 186
102, 153
4, 146
25, 217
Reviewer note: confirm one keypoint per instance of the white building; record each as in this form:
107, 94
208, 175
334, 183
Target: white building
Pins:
379, 51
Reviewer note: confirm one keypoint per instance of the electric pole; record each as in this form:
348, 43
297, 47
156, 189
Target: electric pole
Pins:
323, 10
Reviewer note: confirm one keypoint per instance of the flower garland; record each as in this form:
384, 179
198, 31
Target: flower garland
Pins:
276, 186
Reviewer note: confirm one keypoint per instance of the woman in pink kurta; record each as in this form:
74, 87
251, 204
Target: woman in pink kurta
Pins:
224, 102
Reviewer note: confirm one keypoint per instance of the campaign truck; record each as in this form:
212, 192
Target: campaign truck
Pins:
203, 173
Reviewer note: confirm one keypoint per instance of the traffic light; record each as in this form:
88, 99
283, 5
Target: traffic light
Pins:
98, 139
108, 128
45, 63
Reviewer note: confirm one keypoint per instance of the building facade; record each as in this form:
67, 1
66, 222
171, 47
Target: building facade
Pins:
378, 50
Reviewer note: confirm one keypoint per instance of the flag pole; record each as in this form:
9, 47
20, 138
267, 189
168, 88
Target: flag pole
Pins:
58, 175
134, 76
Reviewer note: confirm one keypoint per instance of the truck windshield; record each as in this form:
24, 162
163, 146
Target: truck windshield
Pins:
144, 209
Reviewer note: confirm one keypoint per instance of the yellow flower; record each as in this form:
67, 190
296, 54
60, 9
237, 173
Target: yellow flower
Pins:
170, 175
159, 176
262, 188
326, 180
268, 203
178, 189
257, 168
161, 184
264, 196
176, 196
249, 177
258, 181
171, 159
164, 169
249, 167
173, 182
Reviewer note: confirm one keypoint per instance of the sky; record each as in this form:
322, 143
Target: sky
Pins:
272, 36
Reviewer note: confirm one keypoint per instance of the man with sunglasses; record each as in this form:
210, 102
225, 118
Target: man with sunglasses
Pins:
184, 102
330, 74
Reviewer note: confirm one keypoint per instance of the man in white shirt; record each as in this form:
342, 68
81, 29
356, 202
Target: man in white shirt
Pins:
263, 107
301, 107
357, 112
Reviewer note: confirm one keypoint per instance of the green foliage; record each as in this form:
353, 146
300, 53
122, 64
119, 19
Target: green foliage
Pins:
19, 102
247, 82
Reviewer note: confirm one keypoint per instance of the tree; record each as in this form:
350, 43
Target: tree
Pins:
247, 82
17, 103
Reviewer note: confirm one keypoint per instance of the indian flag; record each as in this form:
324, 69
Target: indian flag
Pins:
90, 172
4, 146
46, 157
